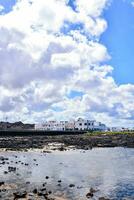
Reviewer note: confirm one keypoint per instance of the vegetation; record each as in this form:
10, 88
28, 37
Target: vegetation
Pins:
108, 133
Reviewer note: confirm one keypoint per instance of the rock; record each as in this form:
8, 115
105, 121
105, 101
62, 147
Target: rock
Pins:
61, 148
71, 185
89, 195
2, 183
79, 187
19, 195
44, 184
43, 189
40, 194
26, 164
27, 182
35, 191
11, 169
92, 190
3, 190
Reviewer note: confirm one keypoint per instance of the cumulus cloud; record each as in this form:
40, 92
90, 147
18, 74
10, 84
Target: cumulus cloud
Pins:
1, 8
132, 3
48, 50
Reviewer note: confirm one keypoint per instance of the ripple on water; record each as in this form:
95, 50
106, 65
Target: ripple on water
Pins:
71, 174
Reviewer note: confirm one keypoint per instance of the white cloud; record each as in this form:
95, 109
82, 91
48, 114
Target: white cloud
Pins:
92, 8
1, 8
132, 3
65, 59
48, 50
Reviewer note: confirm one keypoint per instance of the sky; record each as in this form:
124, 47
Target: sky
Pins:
64, 59
118, 38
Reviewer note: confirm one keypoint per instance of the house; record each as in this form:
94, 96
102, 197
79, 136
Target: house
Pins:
80, 125
70, 125
51, 126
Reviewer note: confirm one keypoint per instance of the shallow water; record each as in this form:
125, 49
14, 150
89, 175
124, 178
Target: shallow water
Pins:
109, 170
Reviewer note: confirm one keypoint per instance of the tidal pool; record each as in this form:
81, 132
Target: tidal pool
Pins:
70, 174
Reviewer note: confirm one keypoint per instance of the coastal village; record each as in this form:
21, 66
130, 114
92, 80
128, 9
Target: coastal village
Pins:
78, 125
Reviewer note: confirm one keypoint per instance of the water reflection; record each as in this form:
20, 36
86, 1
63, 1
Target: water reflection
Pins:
109, 170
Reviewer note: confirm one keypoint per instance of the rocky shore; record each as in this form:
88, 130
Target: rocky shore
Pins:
77, 141
27, 191
16, 164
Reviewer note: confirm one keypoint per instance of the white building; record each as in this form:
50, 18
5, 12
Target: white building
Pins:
119, 129
80, 124
70, 125
51, 126
98, 126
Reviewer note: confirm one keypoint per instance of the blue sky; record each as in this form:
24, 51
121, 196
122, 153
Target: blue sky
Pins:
119, 39
7, 4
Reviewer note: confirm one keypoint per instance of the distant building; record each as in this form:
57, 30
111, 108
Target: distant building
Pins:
120, 129
98, 126
80, 125
70, 125
51, 125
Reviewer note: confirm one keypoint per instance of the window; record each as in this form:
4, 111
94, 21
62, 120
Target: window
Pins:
80, 124
85, 124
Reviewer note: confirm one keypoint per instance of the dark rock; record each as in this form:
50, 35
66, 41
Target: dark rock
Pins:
19, 195
2, 183
27, 182
61, 148
43, 189
92, 190
40, 194
71, 185
3, 190
44, 184
11, 169
89, 195
35, 191
79, 187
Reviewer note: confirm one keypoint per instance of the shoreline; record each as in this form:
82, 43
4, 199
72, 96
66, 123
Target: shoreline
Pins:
23, 162
65, 142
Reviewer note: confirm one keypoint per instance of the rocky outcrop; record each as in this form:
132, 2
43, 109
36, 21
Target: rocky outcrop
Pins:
78, 141
15, 126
